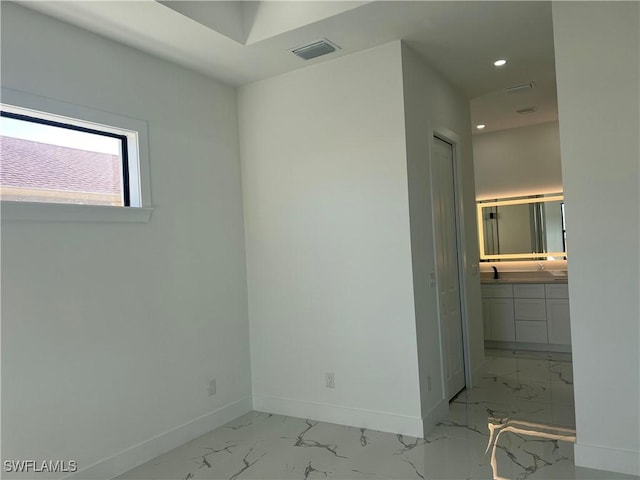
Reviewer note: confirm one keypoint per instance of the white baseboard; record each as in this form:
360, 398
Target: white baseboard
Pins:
435, 415
353, 417
611, 459
143, 452
538, 347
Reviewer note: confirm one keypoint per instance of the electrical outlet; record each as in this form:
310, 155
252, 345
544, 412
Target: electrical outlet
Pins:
212, 387
429, 383
330, 380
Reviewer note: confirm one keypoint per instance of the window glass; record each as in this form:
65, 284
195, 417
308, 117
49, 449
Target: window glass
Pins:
54, 162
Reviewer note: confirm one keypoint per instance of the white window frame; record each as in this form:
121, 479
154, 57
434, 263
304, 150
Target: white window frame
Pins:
136, 131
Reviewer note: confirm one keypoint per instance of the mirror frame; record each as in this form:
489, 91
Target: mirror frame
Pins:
513, 256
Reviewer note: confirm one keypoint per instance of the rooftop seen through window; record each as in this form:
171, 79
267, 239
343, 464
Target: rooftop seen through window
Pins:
48, 161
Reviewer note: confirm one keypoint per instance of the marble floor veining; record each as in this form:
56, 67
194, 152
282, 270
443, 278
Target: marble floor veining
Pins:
515, 394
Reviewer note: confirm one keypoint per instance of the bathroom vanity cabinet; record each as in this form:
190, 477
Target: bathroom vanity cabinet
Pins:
498, 313
526, 315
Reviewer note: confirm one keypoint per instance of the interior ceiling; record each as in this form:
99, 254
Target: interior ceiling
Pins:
241, 42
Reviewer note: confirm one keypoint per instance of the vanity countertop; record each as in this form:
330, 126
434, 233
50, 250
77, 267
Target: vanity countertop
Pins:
524, 277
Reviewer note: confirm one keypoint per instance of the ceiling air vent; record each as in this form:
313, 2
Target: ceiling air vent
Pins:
521, 88
315, 49
522, 111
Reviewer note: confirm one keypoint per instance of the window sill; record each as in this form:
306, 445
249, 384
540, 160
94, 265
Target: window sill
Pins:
56, 212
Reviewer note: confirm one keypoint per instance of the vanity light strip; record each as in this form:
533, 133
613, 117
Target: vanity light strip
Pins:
506, 256
502, 203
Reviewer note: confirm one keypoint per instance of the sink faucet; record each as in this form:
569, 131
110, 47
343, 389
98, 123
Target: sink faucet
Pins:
495, 273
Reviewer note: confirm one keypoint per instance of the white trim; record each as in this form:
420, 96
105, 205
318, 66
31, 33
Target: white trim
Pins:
353, 417
136, 131
59, 212
604, 458
141, 453
435, 416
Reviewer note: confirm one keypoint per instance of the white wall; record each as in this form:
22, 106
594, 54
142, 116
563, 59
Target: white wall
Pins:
328, 246
110, 332
597, 49
518, 161
433, 106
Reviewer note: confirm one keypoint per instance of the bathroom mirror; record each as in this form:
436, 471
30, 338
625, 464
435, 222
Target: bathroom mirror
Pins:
522, 228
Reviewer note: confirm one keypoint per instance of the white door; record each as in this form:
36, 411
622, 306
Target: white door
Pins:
448, 283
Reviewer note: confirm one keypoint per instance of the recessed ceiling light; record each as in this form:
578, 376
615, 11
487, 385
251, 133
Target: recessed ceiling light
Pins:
499, 63
481, 126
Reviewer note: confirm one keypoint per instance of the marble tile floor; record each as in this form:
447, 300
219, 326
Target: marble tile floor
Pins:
262, 446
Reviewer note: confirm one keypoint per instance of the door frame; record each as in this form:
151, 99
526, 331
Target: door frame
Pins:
454, 139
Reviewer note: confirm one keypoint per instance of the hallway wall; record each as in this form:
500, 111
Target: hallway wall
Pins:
432, 106
598, 70
328, 243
